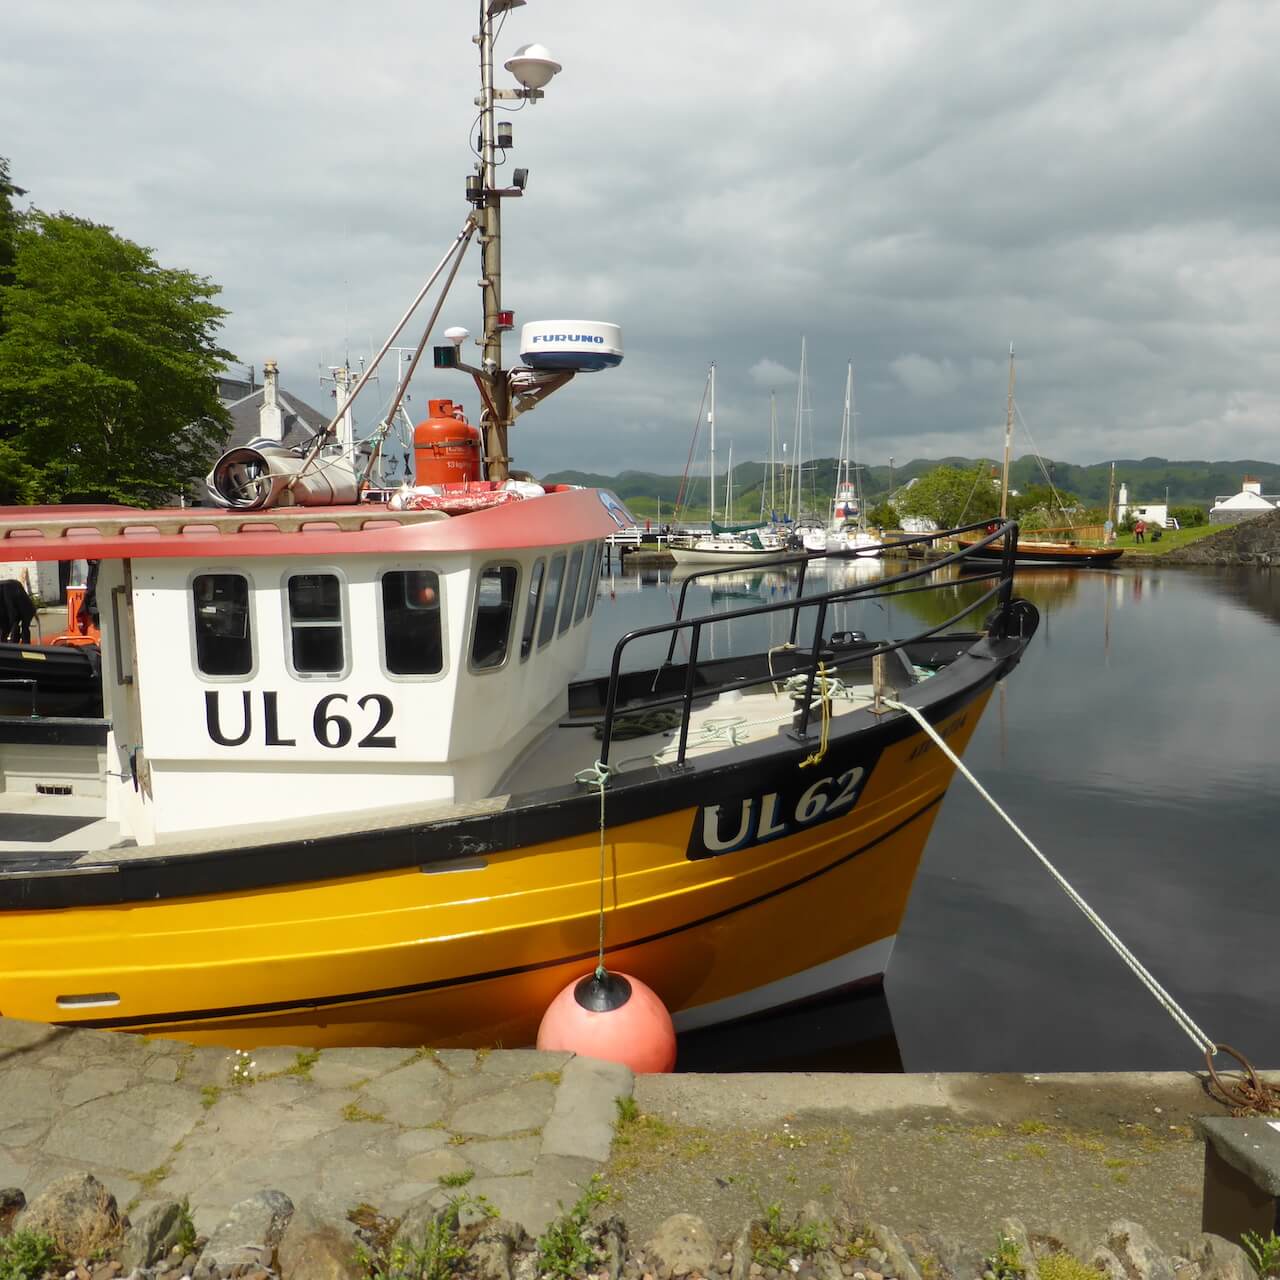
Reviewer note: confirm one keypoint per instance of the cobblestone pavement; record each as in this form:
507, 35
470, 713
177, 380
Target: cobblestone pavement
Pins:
332, 1129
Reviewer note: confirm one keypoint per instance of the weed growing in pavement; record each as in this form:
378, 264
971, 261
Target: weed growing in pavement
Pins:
628, 1112
186, 1238
355, 1113
457, 1179
242, 1066
1065, 1266
1006, 1262
563, 1249
440, 1253
27, 1255
1264, 1252
775, 1240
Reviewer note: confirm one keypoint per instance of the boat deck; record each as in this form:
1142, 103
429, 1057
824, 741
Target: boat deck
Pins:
33, 824
731, 720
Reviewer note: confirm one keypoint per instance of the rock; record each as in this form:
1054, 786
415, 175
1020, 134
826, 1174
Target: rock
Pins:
494, 1249
249, 1236
1137, 1252
1102, 1259
77, 1212
897, 1262
313, 1249
826, 1267
1015, 1231
153, 1235
12, 1202
613, 1240
741, 1266
1219, 1259
683, 1240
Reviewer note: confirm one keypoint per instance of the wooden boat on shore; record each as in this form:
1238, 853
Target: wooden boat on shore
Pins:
346, 789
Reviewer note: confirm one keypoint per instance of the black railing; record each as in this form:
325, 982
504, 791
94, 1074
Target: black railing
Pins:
1001, 576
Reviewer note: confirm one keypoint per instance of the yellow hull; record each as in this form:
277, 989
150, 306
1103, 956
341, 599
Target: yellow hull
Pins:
473, 957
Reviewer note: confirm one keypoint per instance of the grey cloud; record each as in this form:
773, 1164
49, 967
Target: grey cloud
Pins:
913, 186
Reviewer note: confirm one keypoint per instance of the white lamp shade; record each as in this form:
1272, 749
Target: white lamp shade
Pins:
533, 66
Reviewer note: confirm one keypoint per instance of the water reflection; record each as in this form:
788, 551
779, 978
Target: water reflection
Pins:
1136, 743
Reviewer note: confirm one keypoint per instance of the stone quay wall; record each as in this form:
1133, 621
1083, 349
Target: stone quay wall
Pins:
155, 1160
1255, 541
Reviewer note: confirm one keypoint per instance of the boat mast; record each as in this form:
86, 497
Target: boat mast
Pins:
797, 457
842, 462
728, 488
711, 422
1008, 444
773, 455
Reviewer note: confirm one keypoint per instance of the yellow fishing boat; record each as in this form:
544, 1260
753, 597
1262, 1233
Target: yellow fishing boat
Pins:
345, 787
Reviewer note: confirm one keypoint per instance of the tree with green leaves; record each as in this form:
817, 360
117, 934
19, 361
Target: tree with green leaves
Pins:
950, 497
884, 515
107, 368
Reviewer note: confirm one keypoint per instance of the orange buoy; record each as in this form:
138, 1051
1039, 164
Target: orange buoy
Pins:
612, 1016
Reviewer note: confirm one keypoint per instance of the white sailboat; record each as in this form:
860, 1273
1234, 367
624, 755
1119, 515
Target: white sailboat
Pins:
846, 529
726, 547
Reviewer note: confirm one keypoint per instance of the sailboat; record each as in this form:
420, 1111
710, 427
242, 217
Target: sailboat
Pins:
340, 791
726, 545
846, 529
1032, 549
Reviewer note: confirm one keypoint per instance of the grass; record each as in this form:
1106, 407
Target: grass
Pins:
1170, 539
354, 1112
628, 1112
27, 1255
775, 1240
551, 1077
209, 1095
1005, 1262
1065, 1266
1264, 1252
457, 1179
563, 1249
439, 1255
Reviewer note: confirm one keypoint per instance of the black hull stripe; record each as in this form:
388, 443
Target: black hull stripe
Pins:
320, 1002
540, 817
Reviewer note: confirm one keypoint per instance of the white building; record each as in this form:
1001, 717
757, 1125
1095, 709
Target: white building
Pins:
1156, 513
1246, 504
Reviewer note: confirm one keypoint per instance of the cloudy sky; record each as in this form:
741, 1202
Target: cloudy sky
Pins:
911, 184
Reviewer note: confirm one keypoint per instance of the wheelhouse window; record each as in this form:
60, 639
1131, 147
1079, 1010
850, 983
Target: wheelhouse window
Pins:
495, 603
315, 624
224, 643
587, 587
551, 599
571, 589
411, 628
531, 608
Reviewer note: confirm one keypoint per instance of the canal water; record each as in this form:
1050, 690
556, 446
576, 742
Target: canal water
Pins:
1137, 744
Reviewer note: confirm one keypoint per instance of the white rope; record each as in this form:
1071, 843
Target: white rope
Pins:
1167, 1002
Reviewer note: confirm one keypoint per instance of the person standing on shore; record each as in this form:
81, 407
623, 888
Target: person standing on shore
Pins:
1139, 530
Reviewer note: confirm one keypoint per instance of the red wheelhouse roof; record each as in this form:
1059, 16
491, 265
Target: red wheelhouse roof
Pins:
119, 533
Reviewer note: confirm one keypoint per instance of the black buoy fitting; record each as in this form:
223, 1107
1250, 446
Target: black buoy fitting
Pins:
602, 991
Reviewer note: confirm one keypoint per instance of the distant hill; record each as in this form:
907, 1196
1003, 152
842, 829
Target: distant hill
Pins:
1191, 483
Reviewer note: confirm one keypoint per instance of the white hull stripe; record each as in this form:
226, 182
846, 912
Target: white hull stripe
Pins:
866, 962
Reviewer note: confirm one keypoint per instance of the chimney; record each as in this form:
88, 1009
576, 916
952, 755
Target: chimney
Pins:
1251, 484
270, 419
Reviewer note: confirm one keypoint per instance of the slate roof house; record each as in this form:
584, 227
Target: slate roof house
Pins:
1246, 504
267, 411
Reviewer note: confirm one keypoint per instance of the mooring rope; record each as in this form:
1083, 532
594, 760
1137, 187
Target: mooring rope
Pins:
598, 776
815, 757
1243, 1096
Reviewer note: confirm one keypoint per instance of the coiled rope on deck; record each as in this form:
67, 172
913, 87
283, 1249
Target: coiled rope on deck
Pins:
1244, 1096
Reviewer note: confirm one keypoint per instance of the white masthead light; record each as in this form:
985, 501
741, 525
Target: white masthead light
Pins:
533, 66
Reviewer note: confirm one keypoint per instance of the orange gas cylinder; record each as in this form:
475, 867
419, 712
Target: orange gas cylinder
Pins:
446, 449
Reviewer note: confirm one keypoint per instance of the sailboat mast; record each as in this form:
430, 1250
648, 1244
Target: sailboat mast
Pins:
773, 453
711, 421
1008, 444
728, 488
797, 459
